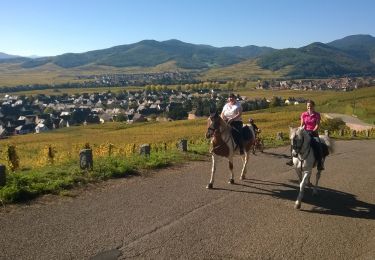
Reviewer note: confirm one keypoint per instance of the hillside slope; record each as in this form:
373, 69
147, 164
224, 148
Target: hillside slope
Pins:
149, 53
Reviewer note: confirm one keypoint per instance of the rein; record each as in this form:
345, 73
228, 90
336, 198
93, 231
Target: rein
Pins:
224, 142
215, 130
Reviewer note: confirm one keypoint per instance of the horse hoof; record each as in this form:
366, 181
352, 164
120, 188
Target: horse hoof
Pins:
242, 178
297, 206
209, 186
231, 181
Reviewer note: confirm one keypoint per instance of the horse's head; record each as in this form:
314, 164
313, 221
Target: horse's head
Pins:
298, 136
213, 124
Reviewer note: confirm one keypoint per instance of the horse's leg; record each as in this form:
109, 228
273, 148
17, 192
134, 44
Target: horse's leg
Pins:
315, 188
230, 161
298, 171
302, 189
245, 159
213, 169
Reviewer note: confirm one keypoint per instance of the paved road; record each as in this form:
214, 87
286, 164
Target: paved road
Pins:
171, 215
351, 121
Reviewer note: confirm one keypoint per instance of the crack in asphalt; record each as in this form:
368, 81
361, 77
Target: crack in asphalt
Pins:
174, 222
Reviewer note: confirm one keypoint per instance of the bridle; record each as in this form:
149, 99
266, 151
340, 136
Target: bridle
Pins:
214, 127
214, 130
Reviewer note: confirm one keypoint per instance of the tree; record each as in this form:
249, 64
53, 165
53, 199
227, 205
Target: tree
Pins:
121, 118
48, 110
177, 112
276, 102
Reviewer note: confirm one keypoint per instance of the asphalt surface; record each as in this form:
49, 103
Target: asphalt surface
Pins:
169, 214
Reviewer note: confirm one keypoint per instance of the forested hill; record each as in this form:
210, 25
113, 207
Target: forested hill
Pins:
350, 56
149, 53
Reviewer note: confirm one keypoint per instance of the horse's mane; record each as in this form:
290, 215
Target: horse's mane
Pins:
223, 124
297, 131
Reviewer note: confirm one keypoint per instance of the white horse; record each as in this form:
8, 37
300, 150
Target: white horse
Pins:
304, 159
223, 145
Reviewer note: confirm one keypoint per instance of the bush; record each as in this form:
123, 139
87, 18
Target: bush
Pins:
332, 124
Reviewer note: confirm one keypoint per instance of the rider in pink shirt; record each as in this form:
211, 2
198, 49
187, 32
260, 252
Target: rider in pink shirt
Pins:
310, 121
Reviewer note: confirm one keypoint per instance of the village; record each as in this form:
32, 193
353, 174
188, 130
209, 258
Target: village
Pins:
35, 114
20, 114
337, 84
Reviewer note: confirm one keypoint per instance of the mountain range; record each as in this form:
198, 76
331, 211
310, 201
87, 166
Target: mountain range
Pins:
350, 56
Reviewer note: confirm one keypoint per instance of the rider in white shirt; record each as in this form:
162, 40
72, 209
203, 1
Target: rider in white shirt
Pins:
231, 113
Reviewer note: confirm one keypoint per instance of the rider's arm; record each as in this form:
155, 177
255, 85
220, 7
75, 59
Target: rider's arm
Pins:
302, 123
238, 114
222, 113
317, 125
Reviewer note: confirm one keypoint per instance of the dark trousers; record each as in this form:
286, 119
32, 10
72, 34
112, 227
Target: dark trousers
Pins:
317, 147
237, 133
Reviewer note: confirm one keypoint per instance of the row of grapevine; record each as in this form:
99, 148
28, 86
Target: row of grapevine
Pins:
15, 158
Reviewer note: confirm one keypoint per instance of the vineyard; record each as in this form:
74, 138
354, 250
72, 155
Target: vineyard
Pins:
49, 162
124, 140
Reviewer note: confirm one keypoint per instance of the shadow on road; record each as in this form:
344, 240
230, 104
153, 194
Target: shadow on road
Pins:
328, 201
278, 155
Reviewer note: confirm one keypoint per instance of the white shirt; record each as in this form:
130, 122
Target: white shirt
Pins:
231, 110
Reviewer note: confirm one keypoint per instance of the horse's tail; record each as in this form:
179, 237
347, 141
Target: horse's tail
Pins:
329, 142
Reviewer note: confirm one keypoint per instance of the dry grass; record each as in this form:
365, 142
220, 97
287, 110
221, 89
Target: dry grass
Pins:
14, 74
244, 70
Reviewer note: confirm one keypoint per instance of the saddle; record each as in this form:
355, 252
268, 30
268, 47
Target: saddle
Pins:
325, 151
247, 134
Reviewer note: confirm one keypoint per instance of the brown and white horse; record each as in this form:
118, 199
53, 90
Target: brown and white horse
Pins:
223, 145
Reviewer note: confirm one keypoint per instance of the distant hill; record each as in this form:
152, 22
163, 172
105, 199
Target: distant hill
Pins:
149, 53
345, 57
7, 56
360, 46
350, 56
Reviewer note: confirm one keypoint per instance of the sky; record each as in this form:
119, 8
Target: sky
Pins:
53, 27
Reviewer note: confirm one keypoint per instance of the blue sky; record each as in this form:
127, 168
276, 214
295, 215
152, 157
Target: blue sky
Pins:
52, 27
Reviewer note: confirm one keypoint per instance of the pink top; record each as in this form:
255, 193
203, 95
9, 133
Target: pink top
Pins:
310, 120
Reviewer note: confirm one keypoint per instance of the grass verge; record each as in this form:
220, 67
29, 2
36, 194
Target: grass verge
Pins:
25, 185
